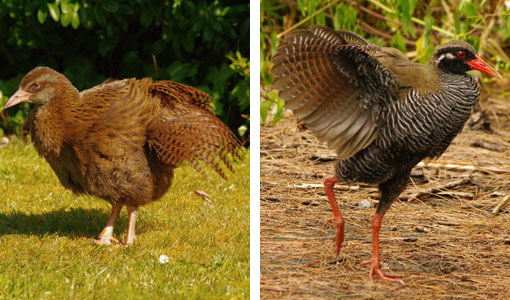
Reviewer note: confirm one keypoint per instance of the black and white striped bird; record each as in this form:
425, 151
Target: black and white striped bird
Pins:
381, 113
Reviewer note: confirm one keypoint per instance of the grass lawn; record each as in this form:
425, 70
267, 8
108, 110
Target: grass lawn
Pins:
45, 234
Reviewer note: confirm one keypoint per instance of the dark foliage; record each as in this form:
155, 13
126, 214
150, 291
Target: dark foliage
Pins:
201, 43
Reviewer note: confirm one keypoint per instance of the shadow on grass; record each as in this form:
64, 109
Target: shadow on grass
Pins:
74, 222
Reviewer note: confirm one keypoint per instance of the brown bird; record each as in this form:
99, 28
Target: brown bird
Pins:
121, 140
381, 113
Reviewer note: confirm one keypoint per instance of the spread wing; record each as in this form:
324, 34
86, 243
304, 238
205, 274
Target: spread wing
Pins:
331, 81
187, 130
174, 92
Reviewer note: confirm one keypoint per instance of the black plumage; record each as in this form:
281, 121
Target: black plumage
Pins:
382, 113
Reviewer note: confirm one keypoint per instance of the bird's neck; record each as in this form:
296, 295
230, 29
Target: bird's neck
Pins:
52, 122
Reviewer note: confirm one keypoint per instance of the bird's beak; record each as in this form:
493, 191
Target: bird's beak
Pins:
480, 65
17, 98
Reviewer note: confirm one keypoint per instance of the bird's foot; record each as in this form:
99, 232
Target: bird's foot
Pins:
339, 227
375, 268
105, 241
128, 241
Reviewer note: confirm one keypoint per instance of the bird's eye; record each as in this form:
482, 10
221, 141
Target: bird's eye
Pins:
36, 85
461, 54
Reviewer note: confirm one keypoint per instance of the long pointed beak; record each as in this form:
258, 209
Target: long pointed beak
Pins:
480, 65
17, 98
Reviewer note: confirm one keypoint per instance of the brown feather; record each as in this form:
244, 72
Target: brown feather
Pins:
122, 139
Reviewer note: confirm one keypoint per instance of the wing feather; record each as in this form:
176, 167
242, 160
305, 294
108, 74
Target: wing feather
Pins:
331, 81
188, 131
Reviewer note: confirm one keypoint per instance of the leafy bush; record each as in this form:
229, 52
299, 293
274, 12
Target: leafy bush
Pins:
201, 43
409, 25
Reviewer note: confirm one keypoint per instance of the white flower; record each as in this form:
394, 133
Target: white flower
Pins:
163, 259
507, 5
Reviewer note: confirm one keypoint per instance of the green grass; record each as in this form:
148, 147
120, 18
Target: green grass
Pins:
45, 250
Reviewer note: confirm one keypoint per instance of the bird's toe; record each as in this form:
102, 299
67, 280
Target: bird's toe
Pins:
104, 241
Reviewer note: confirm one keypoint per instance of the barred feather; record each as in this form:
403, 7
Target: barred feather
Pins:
379, 111
175, 92
187, 130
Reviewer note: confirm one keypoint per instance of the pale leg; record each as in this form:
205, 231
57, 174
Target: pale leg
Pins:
106, 235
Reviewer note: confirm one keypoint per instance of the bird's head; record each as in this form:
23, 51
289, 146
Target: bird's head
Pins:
457, 57
40, 86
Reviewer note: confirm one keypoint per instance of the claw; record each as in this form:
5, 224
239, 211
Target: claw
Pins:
104, 241
375, 268
375, 265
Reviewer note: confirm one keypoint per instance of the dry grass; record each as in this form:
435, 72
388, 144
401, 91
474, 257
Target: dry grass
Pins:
446, 245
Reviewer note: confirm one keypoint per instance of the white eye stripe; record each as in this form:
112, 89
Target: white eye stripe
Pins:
446, 55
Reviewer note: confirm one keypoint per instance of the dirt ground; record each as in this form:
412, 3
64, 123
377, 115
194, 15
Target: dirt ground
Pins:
440, 235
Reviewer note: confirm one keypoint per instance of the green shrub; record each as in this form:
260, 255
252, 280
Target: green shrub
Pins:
415, 27
201, 43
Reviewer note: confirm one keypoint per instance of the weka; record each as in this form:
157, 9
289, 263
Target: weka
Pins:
381, 113
121, 140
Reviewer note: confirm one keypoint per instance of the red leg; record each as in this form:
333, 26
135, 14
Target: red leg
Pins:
375, 266
329, 182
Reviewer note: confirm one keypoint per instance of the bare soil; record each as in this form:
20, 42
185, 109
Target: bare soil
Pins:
446, 243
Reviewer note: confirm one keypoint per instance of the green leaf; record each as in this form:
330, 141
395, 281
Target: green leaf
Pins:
65, 20
399, 42
429, 21
65, 7
350, 19
41, 16
188, 42
75, 22
146, 18
321, 19
110, 5
54, 11
106, 45
208, 34
217, 27
279, 111
241, 130
264, 110
338, 17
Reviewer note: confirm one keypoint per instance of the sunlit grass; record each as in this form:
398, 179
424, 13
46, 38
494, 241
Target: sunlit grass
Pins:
46, 231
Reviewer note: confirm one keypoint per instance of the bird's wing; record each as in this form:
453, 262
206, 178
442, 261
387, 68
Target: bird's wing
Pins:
114, 117
187, 130
331, 81
351, 38
173, 92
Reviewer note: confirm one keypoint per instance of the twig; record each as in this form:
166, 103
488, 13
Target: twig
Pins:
204, 196
155, 62
461, 167
323, 158
307, 19
485, 34
377, 15
434, 190
387, 36
485, 145
498, 50
504, 202
337, 187
414, 19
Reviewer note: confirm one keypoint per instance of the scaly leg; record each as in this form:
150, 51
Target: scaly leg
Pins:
106, 235
375, 266
130, 236
329, 182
